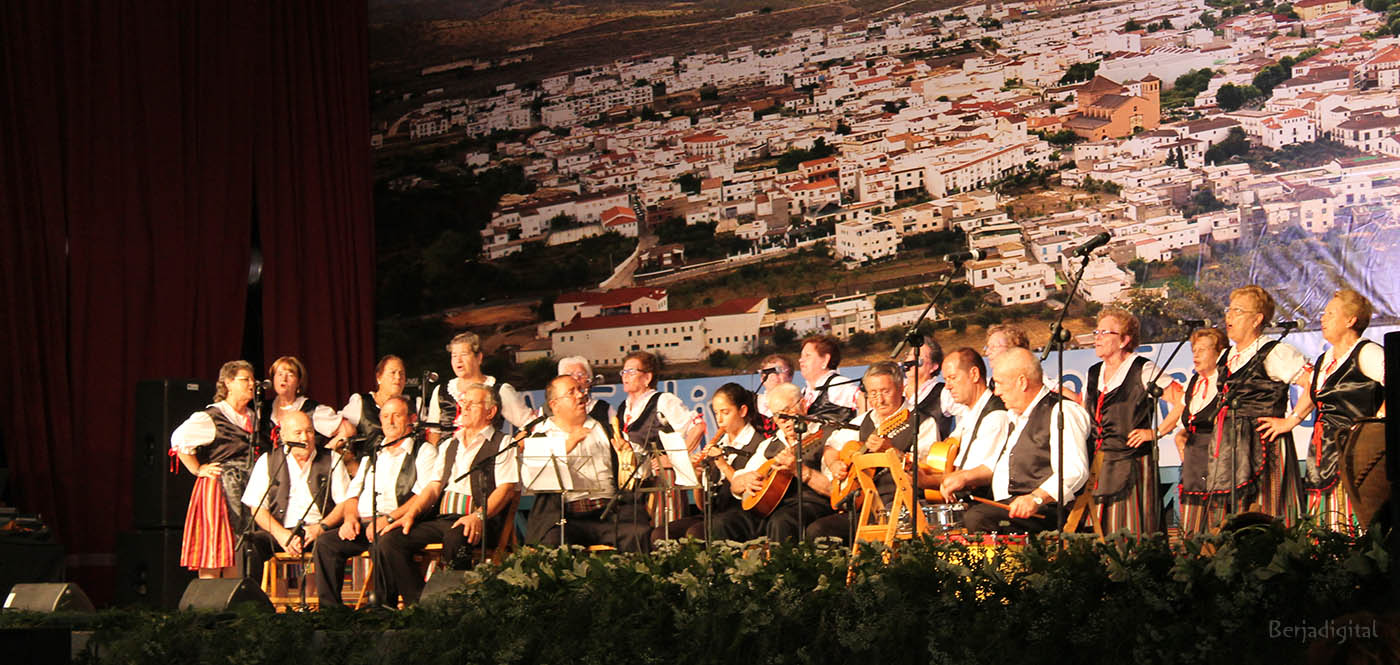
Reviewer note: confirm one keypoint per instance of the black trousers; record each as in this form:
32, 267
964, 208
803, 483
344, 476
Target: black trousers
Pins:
782, 524
402, 577
331, 553
982, 518
591, 529
734, 523
258, 549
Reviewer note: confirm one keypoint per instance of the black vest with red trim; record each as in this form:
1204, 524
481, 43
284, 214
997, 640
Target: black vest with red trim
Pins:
231, 441
1200, 431
1345, 396
1112, 416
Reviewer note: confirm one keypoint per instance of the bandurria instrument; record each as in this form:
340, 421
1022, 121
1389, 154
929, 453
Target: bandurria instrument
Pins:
626, 459
842, 488
775, 482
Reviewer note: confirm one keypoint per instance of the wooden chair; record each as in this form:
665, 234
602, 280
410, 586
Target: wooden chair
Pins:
878, 522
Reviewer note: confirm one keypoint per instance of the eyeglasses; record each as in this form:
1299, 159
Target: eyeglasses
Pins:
1239, 310
473, 405
1101, 333
630, 371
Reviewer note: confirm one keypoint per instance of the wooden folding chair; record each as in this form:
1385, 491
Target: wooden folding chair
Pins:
878, 522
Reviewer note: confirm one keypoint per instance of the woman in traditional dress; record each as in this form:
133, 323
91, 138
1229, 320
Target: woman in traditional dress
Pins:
216, 446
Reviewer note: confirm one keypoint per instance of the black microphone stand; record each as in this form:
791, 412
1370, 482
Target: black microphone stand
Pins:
301, 522
246, 532
1154, 392
1058, 338
373, 536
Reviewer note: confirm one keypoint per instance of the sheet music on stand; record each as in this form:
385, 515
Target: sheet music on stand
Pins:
545, 467
673, 443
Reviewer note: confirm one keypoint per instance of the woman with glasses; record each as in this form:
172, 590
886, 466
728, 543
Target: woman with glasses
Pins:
1121, 438
1253, 466
216, 446
645, 414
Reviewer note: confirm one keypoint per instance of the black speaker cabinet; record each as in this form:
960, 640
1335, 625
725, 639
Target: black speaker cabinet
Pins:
443, 582
159, 498
221, 594
148, 569
48, 597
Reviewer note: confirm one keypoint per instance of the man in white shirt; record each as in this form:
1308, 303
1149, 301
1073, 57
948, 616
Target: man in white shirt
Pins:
469, 489
379, 494
290, 491
580, 445
1026, 475
982, 428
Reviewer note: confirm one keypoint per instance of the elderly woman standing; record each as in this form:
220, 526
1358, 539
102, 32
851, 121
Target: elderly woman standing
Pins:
288, 375
1347, 383
216, 446
1253, 460
1194, 441
1120, 410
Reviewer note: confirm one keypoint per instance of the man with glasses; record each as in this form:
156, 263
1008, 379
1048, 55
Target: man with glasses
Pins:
586, 453
470, 486
886, 425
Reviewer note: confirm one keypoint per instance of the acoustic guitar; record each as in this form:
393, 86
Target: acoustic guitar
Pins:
940, 459
775, 482
842, 488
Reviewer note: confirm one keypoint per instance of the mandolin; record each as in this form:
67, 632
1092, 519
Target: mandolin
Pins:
842, 488
775, 482
941, 456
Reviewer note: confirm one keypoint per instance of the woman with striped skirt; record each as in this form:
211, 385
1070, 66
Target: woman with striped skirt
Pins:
1199, 405
216, 446
1120, 411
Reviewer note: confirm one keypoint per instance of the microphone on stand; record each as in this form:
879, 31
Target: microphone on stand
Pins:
1193, 323
264, 386
962, 257
907, 364
431, 376
1286, 325
1092, 244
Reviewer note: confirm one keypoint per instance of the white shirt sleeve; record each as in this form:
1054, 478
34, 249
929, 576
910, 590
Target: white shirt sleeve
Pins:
357, 484
325, 420
257, 483
675, 413
984, 449
506, 469
838, 439
197, 430
1076, 471
434, 411
1284, 363
426, 461
340, 483
1371, 360
1149, 370
354, 409
950, 406
513, 407
844, 394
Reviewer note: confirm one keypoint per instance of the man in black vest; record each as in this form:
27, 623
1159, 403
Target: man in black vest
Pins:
982, 427
470, 485
1025, 474
379, 494
291, 490
934, 403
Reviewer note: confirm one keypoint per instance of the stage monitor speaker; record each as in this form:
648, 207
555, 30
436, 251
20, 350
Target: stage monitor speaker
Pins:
222, 594
148, 569
48, 597
443, 582
159, 498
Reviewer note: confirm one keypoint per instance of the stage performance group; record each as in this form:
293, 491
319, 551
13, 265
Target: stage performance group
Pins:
992, 440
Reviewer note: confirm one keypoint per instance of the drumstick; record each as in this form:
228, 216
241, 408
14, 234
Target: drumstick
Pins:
992, 503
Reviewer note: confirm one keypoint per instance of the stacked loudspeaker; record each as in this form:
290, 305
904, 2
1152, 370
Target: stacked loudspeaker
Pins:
148, 557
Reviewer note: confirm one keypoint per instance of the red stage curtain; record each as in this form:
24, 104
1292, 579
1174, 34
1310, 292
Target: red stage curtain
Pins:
313, 195
133, 133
